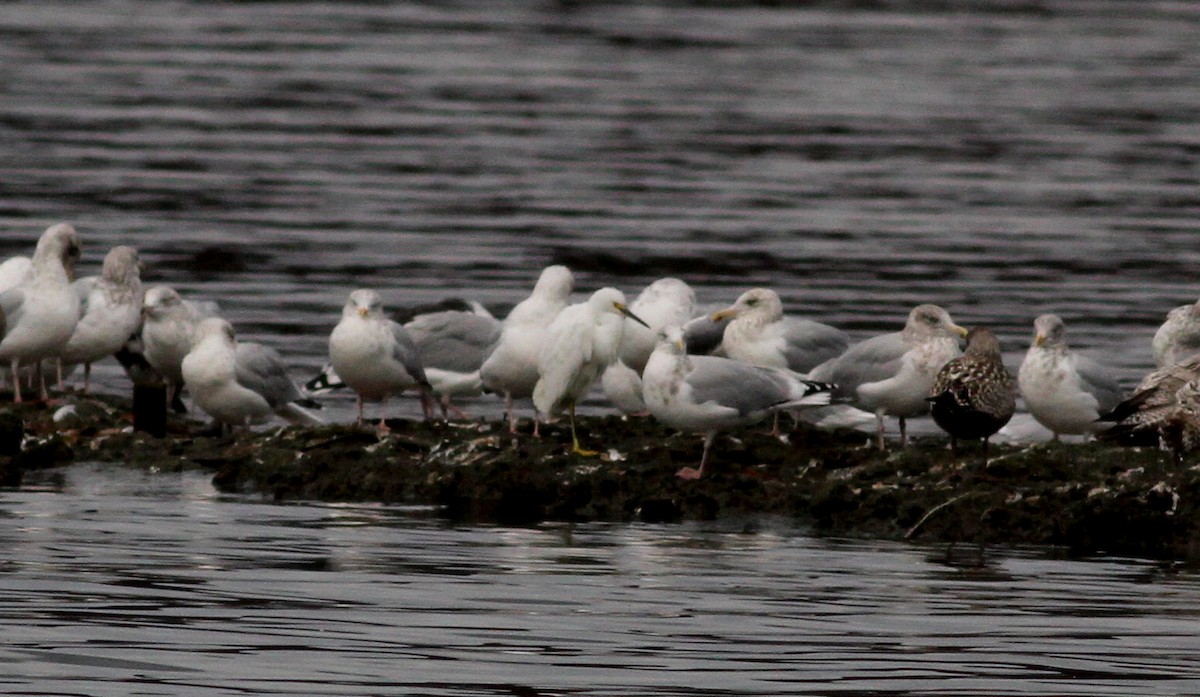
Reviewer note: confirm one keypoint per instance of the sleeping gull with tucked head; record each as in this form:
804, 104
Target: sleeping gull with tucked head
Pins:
38, 316
711, 393
891, 374
453, 346
374, 355
239, 383
580, 343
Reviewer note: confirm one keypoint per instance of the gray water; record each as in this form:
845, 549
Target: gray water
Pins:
1002, 158
124, 583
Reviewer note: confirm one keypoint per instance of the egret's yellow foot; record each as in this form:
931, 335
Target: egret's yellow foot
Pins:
575, 447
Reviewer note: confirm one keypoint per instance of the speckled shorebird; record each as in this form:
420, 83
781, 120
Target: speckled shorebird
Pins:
1154, 405
974, 395
1178, 337
891, 374
1064, 391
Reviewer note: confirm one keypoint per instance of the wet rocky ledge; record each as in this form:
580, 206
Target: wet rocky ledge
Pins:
1078, 498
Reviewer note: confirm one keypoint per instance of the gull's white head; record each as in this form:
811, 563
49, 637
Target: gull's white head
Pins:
216, 328
931, 320
1049, 330
364, 303
671, 340
761, 303
159, 301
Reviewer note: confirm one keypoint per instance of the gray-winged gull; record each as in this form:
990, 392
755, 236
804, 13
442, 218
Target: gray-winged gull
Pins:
760, 334
374, 355
891, 374
239, 383
580, 343
453, 346
1064, 391
711, 393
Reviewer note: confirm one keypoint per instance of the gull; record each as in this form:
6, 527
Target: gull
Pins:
1063, 390
110, 308
374, 355
891, 374
1153, 402
580, 343
974, 395
512, 367
711, 393
38, 316
168, 332
15, 271
665, 302
759, 334
239, 383
1178, 337
453, 346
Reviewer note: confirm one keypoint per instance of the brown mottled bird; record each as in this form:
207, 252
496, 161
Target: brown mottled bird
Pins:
973, 395
1164, 406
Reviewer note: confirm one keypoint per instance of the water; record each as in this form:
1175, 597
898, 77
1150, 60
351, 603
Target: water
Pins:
126, 583
1001, 158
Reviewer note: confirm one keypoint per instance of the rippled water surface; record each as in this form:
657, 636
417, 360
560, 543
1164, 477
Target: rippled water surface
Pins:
1002, 158
125, 583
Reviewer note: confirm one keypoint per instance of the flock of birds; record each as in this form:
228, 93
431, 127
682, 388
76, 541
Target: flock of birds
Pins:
695, 371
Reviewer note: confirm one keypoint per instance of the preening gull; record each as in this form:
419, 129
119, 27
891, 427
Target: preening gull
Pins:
39, 316
1063, 390
239, 383
512, 368
973, 395
891, 374
453, 346
110, 308
760, 334
711, 393
373, 355
580, 343
168, 331
1178, 337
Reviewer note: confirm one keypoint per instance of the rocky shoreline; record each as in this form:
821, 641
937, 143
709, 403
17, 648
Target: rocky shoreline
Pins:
1079, 498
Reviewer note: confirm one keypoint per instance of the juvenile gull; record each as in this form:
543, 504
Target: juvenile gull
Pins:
168, 331
38, 316
1178, 337
1152, 403
110, 308
373, 355
512, 368
891, 374
1063, 390
711, 393
580, 343
759, 334
453, 346
239, 383
973, 395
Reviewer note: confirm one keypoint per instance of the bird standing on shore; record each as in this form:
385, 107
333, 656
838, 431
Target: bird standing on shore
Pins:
453, 346
512, 367
1064, 391
110, 311
374, 355
974, 395
760, 334
38, 316
168, 329
891, 374
711, 393
580, 343
239, 383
